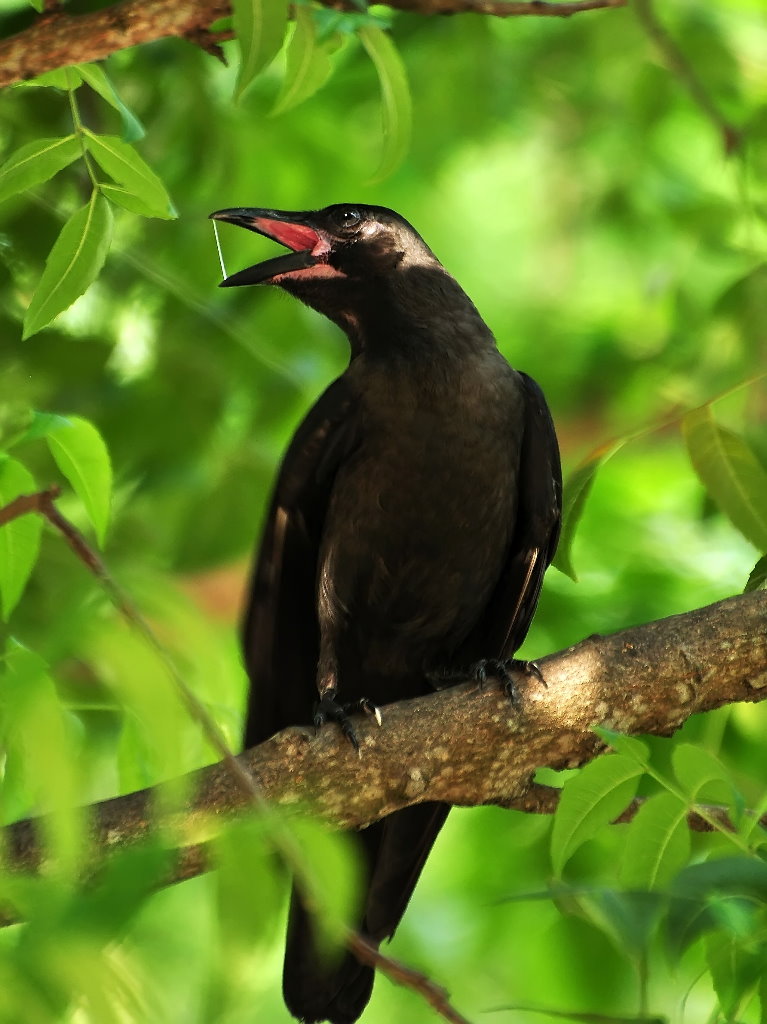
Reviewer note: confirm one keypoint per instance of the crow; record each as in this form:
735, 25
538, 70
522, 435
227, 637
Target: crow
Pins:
413, 517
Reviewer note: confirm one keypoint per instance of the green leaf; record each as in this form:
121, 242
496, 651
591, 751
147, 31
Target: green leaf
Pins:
628, 745
128, 877
308, 64
590, 801
730, 472
658, 843
725, 893
249, 885
629, 918
128, 169
66, 79
37, 162
695, 767
83, 458
735, 969
73, 263
38, 739
329, 870
576, 490
260, 26
127, 200
19, 539
95, 76
758, 578
396, 102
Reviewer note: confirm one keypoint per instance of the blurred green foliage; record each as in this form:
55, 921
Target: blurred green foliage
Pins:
564, 175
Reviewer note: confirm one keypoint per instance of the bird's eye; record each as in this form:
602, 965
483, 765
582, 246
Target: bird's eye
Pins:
348, 217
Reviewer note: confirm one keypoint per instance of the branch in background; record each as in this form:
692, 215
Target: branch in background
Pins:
57, 39
680, 66
465, 745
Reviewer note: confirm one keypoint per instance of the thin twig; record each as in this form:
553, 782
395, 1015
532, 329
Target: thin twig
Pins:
26, 503
401, 974
504, 8
680, 66
284, 845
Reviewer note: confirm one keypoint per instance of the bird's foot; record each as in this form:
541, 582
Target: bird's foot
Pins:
328, 709
504, 670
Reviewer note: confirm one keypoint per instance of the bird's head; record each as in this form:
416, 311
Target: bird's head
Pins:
346, 241
364, 267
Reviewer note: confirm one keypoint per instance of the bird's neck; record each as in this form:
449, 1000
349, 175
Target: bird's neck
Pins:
421, 314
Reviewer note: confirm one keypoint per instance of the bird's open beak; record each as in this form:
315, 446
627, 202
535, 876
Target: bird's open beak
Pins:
289, 229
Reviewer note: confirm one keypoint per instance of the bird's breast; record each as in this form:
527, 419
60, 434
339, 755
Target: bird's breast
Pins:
425, 508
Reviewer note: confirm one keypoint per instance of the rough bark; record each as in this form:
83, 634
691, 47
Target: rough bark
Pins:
467, 745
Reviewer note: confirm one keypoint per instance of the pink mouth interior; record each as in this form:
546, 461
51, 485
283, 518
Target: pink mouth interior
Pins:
295, 236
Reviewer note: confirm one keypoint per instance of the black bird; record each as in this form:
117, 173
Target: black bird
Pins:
413, 518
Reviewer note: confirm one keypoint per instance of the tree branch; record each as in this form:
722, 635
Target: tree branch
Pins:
680, 66
465, 745
57, 39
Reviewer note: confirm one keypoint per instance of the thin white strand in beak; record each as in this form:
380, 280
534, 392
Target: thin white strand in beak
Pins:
218, 248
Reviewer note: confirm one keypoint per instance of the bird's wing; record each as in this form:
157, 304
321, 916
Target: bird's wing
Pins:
280, 632
539, 512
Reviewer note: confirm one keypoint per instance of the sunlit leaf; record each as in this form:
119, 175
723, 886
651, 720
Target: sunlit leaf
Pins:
20, 538
123, 163
96, 77
59, 78
308, 64
577, 488
83, 458
396, 101
730, 472
589, 801
260, 27
73, 263
658, 843
37, 162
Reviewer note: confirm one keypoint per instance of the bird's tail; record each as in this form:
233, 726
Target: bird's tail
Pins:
394, 851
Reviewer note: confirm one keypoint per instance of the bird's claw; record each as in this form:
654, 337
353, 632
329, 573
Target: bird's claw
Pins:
504, 669
370, 709
328, 709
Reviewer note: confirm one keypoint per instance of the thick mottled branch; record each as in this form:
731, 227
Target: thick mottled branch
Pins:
57, 39
469, 746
